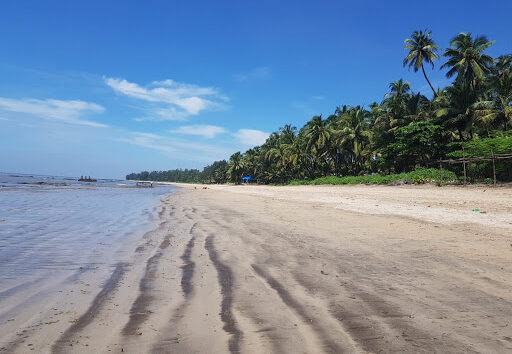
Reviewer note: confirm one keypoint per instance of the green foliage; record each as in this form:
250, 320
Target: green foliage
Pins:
396, 139
416, 144
466, 59
500, 144
420, 176
421, 49
178, 175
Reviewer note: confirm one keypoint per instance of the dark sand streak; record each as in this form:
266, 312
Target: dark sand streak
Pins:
297, 308
139, 311
62, 344
187, 287
188, 269
225, 276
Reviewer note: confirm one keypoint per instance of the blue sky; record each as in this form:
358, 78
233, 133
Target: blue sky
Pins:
104, 88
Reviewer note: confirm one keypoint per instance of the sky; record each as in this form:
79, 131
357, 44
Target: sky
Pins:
105, 88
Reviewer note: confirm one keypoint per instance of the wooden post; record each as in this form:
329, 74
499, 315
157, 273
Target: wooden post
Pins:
493, 168
464, 165
441, 168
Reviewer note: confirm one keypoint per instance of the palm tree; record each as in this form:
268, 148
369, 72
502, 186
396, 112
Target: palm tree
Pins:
395, 102
354, 135
422, 49
235, 168
496, 105
317, 136
418, 108
503, 65
457, 105
466, 58
278, 155
287, 134
398, 89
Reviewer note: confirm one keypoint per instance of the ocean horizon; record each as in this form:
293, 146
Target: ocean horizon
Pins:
55, 227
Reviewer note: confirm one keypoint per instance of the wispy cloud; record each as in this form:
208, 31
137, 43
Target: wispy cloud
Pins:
206, 131
305, 108
251, 137
168, 99
247, 137
69, 112
253, 74
181, 148
318, 98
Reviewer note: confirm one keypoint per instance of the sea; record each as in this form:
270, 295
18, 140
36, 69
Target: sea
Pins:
51, 227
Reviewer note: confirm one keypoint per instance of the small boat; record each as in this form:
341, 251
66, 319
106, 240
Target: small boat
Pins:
144, 184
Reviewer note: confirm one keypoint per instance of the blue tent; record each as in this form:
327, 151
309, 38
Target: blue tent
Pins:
247, 178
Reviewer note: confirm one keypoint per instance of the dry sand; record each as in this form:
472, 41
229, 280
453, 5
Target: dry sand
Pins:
298, 270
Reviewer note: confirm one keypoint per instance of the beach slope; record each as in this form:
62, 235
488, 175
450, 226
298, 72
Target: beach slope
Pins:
308, 270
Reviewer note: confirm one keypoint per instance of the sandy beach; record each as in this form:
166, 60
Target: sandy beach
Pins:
257, 269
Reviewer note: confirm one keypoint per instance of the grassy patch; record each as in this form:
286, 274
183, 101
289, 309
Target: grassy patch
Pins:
426, 175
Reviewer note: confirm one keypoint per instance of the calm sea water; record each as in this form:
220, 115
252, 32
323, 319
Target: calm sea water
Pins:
48, 229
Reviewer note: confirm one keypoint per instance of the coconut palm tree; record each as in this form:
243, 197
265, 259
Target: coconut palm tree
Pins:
317, 136
398, 89
503, 65
457, 106
287, 134
422, 49
278, 155
467, 60
395, 102
235, 167
354, 135
496, 106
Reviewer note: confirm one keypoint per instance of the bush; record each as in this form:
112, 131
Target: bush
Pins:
421, 176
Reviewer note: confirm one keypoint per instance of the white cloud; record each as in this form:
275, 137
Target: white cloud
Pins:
175, 147
253, 74
206, 131
168, 99
251, 137
55, 110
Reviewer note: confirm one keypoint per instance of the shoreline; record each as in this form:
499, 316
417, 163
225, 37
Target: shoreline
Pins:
298, 268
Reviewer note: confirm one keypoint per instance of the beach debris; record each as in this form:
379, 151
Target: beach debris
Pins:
399, 182
324, 273
476, 210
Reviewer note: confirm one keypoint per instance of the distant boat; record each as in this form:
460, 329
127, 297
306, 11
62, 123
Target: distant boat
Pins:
144, 184
87, 179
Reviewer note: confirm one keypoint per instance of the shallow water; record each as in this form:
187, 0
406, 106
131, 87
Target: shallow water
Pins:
48, 231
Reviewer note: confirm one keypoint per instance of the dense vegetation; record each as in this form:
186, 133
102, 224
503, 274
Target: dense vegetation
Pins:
426, 175
404, 132
186, 176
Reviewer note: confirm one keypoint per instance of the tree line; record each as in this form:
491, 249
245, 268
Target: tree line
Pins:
404, 132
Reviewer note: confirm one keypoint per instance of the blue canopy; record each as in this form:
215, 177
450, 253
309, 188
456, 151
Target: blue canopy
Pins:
247, 178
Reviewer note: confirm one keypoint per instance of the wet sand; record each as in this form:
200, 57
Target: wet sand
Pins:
297, 270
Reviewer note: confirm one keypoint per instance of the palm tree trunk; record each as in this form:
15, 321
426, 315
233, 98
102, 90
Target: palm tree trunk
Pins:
426, 78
